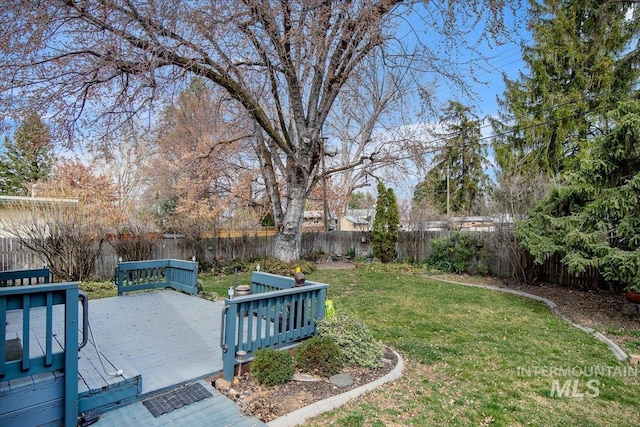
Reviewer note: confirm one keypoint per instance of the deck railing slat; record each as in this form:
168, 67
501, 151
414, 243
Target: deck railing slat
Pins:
49, 332
3, 334
26, 327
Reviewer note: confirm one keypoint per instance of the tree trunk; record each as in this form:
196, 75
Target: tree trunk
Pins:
288, 236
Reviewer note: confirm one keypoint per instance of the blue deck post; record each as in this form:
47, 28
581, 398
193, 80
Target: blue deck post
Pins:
229, 349
320, 303
71, 358
120, 279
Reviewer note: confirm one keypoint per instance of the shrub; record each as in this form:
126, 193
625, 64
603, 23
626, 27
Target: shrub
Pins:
458, 254
386, 223
351, 253
271, 367
357, 345
319, 356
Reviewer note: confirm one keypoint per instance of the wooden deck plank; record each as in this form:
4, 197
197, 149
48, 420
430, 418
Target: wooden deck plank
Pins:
47, 385
168, 336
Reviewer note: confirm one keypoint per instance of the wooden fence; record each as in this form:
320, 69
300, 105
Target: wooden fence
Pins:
553, 271
14, 256
412, 246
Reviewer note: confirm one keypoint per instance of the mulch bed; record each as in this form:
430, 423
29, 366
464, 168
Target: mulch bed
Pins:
269, 403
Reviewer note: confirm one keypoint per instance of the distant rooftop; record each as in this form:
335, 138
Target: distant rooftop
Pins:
8, 200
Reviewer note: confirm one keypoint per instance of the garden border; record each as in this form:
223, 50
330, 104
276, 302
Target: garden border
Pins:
298, 416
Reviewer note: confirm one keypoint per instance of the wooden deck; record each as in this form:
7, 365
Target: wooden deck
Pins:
165, 336
159, 339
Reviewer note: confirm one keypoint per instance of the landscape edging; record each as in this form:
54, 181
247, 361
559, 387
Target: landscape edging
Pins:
300, 415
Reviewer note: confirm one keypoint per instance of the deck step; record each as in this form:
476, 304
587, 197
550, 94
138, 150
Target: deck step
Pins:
35, 400
176, 398
216, 410
98, 388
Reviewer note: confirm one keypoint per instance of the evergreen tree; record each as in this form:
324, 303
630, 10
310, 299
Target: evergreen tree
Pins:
580, 64
462, 161
593, 219
27, 158
386, 224
393, 214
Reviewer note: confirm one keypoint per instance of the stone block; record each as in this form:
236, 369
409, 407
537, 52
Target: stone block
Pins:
630, 309
222, 384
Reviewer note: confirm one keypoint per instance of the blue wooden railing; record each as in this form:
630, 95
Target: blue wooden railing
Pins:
269, 319
26, 299
25, 277
158, 274
266, 282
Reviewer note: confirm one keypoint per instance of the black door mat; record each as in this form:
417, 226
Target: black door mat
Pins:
177, 398
13, 350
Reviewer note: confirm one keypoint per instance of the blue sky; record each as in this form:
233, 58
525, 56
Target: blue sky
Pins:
489, 59
482, 65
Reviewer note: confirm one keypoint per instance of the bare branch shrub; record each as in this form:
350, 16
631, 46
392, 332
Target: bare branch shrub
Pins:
57, 230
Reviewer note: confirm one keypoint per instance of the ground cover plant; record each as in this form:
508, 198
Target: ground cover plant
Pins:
99, 289
477, 357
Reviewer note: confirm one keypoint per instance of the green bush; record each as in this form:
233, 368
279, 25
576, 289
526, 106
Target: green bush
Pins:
357, 345
267, 265
97, 289
271, 367
351, 253
386, 223
319, 356
460, 253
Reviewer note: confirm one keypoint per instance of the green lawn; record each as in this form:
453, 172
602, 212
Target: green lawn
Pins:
478, 357
474, 357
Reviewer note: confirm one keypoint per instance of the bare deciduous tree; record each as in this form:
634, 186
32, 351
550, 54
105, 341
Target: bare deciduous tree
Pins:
285, 62
56, 230
519, 190
200, 169
66, 224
